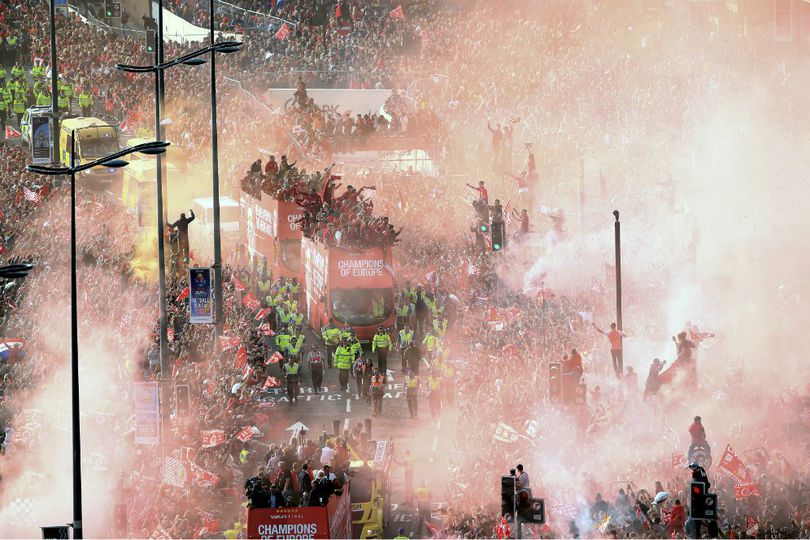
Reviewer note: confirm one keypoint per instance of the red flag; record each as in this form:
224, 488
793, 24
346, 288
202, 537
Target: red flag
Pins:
11, 132
237, 283
743, 491
212, 438
275, 359
209, 527
263, 313
266, 330
272, 382
245, 434
397, 13
338, 11
183, 295
733, 466
434, 530
229, 342
502, 529
283, 32
250, 302
240, 359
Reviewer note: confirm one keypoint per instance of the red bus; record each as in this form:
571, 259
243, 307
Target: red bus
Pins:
344, 286
271, 229
330, 521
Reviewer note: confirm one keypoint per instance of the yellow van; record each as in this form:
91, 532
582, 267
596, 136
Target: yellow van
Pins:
138, 188
95, 138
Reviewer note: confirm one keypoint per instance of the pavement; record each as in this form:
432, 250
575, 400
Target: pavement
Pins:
430, 440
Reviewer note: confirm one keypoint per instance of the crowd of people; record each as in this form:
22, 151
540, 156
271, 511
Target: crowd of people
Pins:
480, 336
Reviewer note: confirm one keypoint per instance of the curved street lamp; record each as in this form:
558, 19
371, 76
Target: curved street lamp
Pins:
114, 161
193, 58
15, 271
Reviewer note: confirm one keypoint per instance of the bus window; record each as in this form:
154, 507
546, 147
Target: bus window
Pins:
362, 307
291, 255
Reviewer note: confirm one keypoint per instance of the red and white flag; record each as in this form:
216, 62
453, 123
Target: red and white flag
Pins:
751, 525
160, 534
201, 477
283, 32
266, 330
748, 489
245, 434
227, 343
237, 283
240, 359
30, 195
733, 466
11, 132
170, 334
174, 472
248, 376
212, 438
250, 302
398, 13
263, 313
502, 529
183, 294
210, 526
272, 382
275, 359
678, 460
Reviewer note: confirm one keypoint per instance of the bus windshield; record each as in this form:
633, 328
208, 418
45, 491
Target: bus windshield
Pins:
362, 307
291, 254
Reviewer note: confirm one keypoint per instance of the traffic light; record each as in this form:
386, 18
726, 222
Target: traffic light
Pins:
116, 9
109, 8
151, 41
702, 505
498, 236
483, 227
508, 497
182, 396
555, 383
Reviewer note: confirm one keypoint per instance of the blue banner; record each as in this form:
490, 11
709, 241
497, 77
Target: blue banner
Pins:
200, 306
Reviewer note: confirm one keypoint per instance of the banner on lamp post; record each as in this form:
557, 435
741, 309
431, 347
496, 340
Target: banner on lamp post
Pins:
201, 308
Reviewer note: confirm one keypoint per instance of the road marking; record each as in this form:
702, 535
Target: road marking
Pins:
348, 406
346, 424
439, 424
435, 445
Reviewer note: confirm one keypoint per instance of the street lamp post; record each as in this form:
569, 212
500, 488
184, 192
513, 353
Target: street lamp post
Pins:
113, 160
215, 180
190, 59
618, 246
54, 88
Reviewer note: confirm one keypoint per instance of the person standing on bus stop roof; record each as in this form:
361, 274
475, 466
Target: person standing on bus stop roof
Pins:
182, 228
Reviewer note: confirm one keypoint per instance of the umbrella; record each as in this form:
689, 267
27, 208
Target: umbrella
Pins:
661, 497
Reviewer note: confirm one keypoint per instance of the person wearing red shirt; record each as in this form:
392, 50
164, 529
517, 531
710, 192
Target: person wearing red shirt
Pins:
698, 434
677, 518
615, 337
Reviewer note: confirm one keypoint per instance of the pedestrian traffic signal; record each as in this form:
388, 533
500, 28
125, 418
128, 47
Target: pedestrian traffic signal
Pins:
534, 511
109, 8
483, 227
498, 236
555, 383
508, 497
151, 41
116, 9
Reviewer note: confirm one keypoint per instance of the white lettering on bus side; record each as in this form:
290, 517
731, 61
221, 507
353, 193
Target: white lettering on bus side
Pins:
361, 267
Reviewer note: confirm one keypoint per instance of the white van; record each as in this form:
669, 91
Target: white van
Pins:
201, 230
